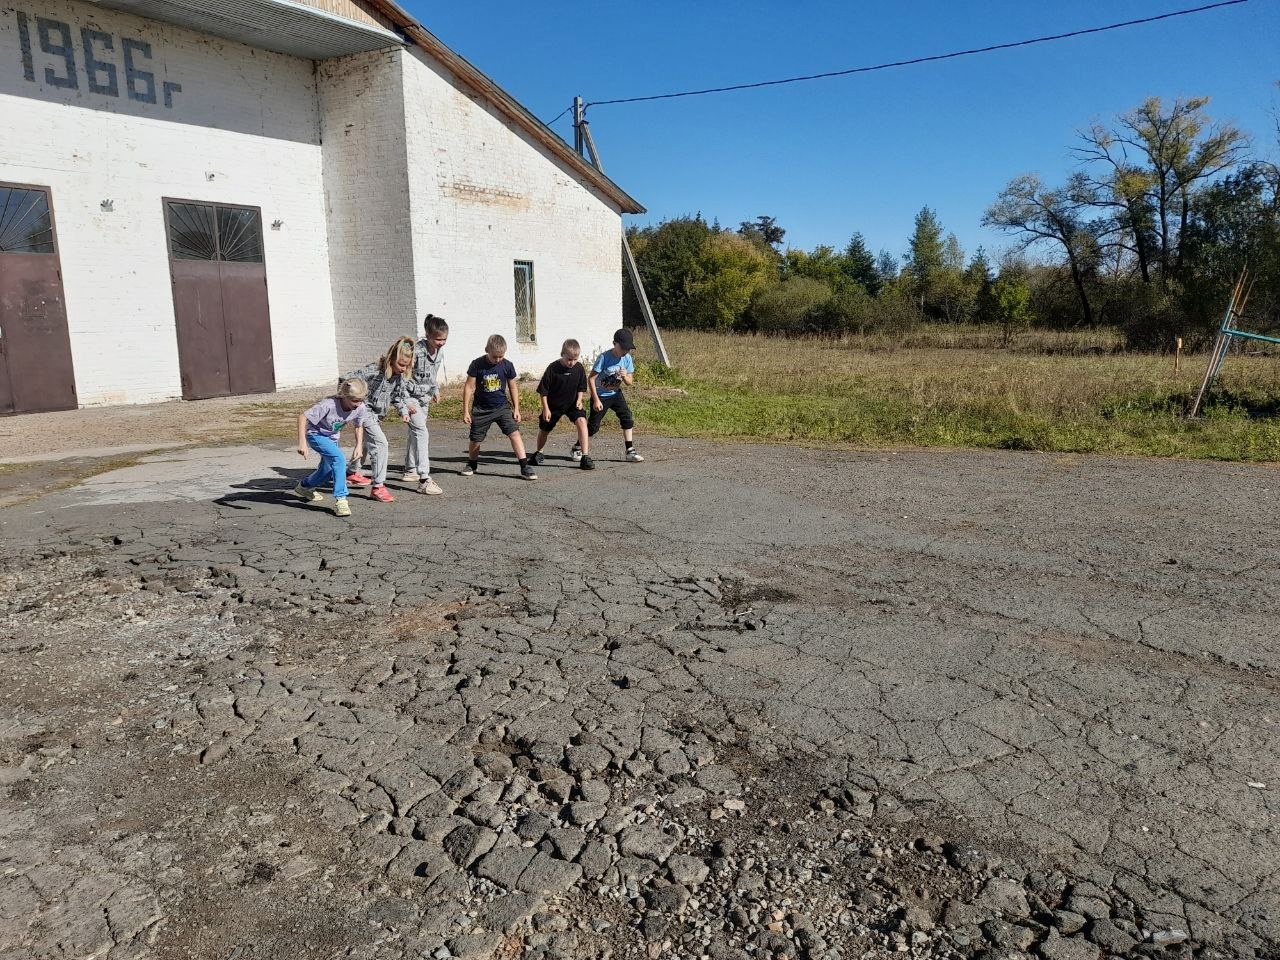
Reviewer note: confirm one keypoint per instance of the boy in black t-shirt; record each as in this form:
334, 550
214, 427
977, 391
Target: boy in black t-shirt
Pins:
563, 386
491, 386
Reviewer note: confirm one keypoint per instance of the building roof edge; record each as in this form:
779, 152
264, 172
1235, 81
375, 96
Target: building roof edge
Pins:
483, 85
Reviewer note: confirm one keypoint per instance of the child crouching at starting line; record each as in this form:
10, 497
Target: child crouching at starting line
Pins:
562, 389
318, 429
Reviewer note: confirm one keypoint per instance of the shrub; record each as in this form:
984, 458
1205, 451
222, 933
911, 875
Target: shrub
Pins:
791, 307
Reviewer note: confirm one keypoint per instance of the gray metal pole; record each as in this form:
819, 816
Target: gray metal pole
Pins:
629, 261
578, 111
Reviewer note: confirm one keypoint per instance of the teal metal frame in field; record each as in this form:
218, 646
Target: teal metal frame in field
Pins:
1226, 332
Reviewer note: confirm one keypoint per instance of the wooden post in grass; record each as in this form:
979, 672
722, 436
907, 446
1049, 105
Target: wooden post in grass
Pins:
1177, 357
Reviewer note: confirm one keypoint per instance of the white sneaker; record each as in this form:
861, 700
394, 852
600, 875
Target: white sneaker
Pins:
576, 453
429, 486
309, 494
634, 457
411, 476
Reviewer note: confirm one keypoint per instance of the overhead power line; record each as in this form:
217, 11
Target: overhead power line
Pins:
559, 115
917, 60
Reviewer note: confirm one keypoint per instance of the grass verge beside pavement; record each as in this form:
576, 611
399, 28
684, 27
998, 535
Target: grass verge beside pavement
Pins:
866, 394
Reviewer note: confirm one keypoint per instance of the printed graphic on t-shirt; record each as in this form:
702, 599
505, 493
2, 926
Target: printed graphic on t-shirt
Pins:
492, 382
335, 426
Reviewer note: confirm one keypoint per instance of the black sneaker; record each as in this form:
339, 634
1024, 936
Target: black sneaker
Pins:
586, 463
576, 453
537, 458
470, 468
528, 472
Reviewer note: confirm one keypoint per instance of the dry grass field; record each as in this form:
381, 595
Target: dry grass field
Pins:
951, 386
956, 386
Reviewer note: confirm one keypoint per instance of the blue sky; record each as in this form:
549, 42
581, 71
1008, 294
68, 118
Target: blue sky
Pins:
866, 152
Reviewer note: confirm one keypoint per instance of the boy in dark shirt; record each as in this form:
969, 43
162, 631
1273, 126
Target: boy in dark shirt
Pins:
491, 387
563, 386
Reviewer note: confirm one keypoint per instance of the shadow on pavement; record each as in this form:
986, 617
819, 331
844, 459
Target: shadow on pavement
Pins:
276, 490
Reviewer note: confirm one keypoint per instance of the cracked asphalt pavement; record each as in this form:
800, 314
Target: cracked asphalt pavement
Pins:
736, 701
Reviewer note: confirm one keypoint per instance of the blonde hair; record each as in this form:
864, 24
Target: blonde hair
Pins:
572, 348
496, 344
402, 349
354, 389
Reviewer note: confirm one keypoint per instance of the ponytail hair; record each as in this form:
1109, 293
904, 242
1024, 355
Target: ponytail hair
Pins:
402, 349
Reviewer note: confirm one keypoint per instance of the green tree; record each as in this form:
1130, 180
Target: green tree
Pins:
727, 271
952, 254
790, 307
887, 268
952, 297
823, 264
763, 230
860, 265
977, 278
1011, 302
1036, 214
1235, 223
1155, 160
924, 259
667, 256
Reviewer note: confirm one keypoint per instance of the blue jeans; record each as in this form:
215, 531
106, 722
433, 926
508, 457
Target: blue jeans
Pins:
333, 465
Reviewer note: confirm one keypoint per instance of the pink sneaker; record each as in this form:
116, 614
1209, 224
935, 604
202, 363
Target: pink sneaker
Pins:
357, 480
381, 493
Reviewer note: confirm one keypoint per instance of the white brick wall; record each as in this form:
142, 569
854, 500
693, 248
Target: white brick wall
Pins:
485, 195
367, 195
398, 194
481, 195
243, 130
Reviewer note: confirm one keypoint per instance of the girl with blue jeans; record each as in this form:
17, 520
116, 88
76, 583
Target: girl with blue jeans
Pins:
318, 429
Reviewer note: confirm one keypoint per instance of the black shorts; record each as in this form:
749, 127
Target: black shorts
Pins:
573, 416
482, 420
618, 404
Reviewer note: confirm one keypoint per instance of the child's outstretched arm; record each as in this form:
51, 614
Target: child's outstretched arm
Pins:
402, 392
468, 389
302, 435
359, 450
513, 390
596, 403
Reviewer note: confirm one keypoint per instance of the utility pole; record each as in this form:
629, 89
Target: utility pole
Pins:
586, 147
579, 118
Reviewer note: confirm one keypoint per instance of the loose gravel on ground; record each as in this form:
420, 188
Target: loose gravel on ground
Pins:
730, 703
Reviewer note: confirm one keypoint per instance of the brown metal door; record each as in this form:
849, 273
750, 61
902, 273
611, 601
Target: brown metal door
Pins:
202, 335
6, 391
244, 307
244, 301
36, 372
220, 299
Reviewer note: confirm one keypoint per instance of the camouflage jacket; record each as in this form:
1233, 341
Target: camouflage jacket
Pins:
386, 393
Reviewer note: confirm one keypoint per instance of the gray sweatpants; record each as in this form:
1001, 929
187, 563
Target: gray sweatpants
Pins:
417, 459
376, 451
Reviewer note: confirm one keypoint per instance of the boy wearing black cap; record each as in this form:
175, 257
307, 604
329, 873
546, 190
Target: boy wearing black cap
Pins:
612, 370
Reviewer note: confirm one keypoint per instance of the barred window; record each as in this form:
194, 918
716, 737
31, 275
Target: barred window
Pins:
203, 231
526, 308
25, 223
